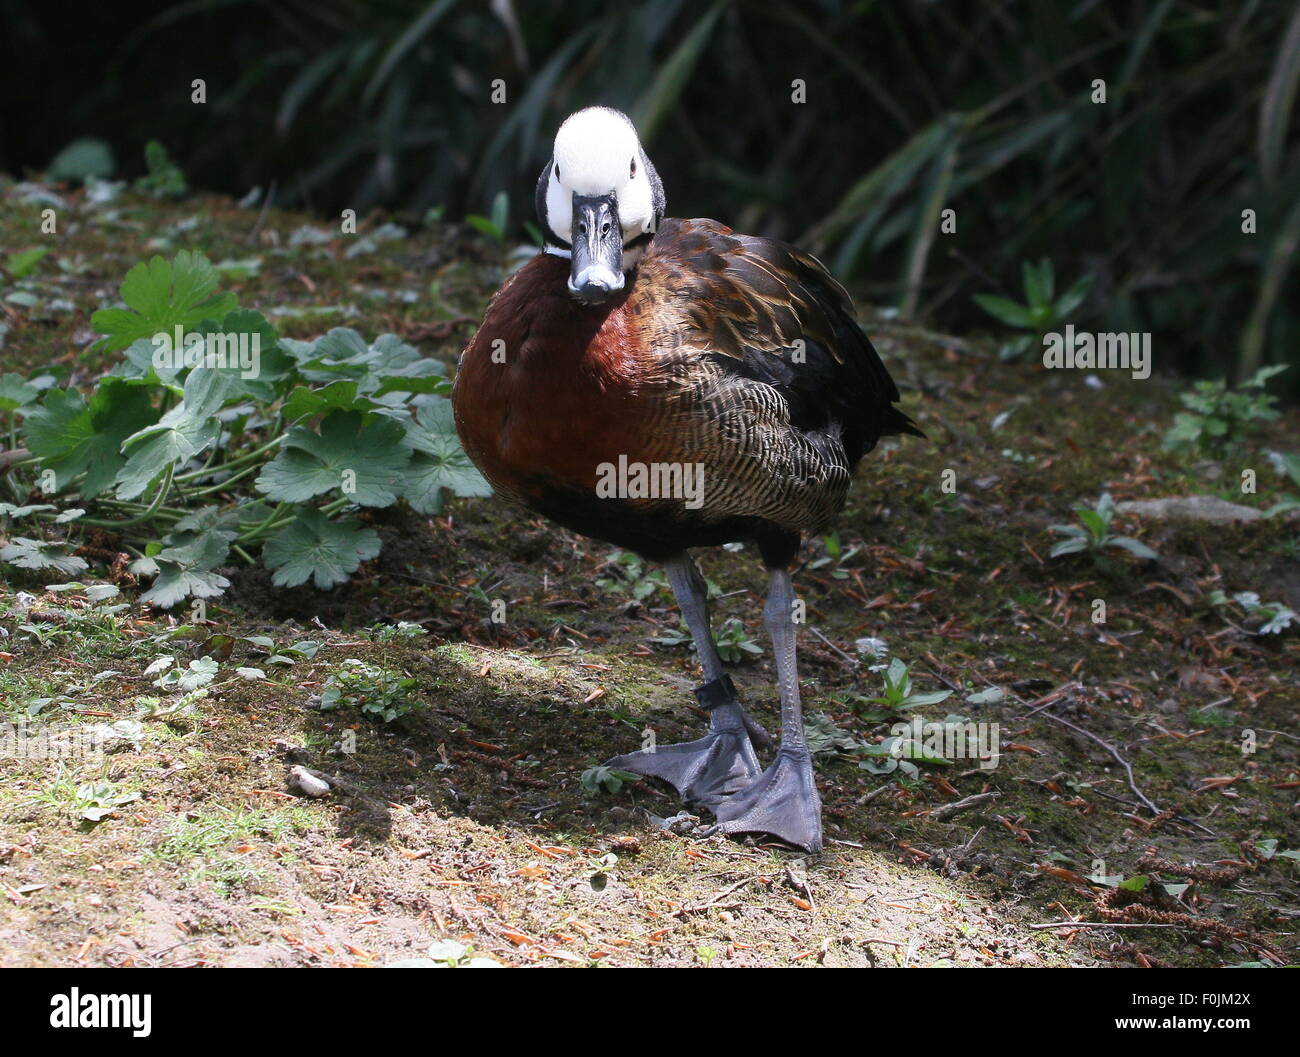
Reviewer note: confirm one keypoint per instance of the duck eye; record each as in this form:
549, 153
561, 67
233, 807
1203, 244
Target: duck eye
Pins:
632, 172
557, 171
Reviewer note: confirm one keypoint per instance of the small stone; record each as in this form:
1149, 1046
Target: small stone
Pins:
307, 783
1208, 508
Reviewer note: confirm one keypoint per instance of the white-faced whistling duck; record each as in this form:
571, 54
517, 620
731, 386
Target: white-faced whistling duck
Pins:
726, 369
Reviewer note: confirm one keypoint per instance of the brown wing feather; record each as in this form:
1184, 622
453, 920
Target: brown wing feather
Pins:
765, 377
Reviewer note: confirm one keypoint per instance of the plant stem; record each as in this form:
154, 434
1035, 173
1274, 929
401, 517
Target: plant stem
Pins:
222, 485
153, 507
262, 526
240, 461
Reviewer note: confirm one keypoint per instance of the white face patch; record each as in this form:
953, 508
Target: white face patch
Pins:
597, 152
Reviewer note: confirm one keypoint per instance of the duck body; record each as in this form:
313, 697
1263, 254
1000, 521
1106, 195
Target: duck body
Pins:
665, 385
733, 356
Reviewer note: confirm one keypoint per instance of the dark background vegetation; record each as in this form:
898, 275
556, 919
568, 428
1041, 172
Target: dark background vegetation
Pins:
911, 107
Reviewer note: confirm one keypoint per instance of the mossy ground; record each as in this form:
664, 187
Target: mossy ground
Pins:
468, 818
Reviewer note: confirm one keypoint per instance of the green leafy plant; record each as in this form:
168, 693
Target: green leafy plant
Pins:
1272, 617
1218, 419
1270, 848
210, 454
897, 693
495, 226
1093, 533
836, 556
1041, 312
95, 801
164, 178
373, 689
825, 738
22, 264
629, 576
447, 954
403, 630
678, 636
1290, 465
602, 779
734, 643
900, 754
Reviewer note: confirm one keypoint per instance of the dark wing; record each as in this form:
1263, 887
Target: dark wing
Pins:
771, 377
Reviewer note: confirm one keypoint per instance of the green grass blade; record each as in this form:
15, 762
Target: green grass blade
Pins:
657, 100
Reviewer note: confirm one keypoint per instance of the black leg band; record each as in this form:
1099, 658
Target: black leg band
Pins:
721, 691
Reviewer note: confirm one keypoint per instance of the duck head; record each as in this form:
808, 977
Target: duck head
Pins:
599, 201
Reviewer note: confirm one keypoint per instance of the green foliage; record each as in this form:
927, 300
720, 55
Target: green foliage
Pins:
1146, 188
39, 554
96, 801
1093, 533
164, 178
899, 754
824, 738
22, 264
897, 693
196, 675
16, 392
1040, 313
836, 556
401, 631
81, 159
447, 954
373, 689
1218, 419
602, 779
316, 547
161, 296
628, 575
734, 643
202, 457
1272, 617
1288, 464
495, 226
1270, 848
75, 437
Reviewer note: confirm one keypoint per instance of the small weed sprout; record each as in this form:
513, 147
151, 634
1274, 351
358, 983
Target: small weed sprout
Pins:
630, 576
1272, 617
898, 694
836, 556
374, 690
1040, 313
734, 643
403, 630
602, 779
1290, 466
495, 226
96, 801
1094, 533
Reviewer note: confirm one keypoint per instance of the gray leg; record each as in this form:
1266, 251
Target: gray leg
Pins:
710, 769
783, 800
692, 594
